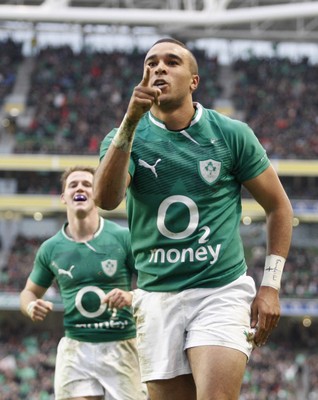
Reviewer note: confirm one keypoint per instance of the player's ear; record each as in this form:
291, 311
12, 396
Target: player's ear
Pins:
194, 82
62, 198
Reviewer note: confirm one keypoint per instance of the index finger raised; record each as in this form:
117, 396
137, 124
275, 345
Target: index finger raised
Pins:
146, 77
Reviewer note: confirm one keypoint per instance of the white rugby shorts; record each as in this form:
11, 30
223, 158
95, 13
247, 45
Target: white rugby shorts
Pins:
168, 323
109, 369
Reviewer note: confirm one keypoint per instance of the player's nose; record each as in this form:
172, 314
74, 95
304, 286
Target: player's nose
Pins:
160, 68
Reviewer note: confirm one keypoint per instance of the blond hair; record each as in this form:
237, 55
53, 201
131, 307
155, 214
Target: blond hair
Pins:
70, 170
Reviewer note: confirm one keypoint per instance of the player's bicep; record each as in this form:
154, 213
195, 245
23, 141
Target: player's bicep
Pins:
266, 189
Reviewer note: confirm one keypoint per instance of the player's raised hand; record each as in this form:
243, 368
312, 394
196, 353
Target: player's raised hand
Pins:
143, 97
118, 298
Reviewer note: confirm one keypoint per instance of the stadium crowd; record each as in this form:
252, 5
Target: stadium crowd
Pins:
70, 92
279, 99
27, 362
10, 59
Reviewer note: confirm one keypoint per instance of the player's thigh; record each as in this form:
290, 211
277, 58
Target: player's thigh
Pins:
181, 387
160, 336
218, 371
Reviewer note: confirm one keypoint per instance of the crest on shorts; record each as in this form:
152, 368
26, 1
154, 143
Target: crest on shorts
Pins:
209, 170
109, 267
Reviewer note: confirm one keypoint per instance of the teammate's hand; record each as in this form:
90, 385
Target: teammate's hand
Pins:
265, 313
38, 309
118, 298
143, 97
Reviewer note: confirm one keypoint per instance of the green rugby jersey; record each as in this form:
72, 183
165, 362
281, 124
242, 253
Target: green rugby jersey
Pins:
85, 272
184, 201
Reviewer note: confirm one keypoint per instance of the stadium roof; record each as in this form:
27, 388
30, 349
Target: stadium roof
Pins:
281, 20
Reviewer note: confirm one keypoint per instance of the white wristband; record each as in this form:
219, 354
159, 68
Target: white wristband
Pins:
30, 307
273, 271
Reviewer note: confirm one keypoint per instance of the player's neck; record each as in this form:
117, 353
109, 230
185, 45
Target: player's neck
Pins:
83, 230
177, 119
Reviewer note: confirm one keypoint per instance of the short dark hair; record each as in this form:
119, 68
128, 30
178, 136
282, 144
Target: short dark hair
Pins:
194, 63
171, 40
70, 170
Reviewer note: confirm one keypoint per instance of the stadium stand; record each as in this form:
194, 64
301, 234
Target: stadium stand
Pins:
10, 59
70, 92
263, 85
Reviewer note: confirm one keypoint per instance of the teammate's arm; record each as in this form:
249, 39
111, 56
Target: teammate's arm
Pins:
111, 178
31, 303
269, 193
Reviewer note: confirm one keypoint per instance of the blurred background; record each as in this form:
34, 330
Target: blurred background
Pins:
67, 70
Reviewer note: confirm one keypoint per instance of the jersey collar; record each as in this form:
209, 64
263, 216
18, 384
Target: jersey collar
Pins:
195, 120
96, 234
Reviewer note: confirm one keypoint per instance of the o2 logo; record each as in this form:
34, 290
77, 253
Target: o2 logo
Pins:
94, 314
193, 220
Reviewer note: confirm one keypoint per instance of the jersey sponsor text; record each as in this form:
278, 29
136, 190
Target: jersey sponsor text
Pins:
174, 255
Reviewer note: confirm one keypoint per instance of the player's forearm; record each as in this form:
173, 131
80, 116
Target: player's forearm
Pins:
279, 230
124, 137
111, 178
279, 233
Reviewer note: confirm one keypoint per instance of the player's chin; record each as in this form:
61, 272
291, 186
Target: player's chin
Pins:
167, 102
81, 212
82, 203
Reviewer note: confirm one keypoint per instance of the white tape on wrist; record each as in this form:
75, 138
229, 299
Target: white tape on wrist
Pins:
123, 138
122, 144
30, 307
273, 271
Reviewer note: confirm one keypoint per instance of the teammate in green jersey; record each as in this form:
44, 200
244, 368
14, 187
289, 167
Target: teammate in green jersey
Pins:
88, 257
198, 313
